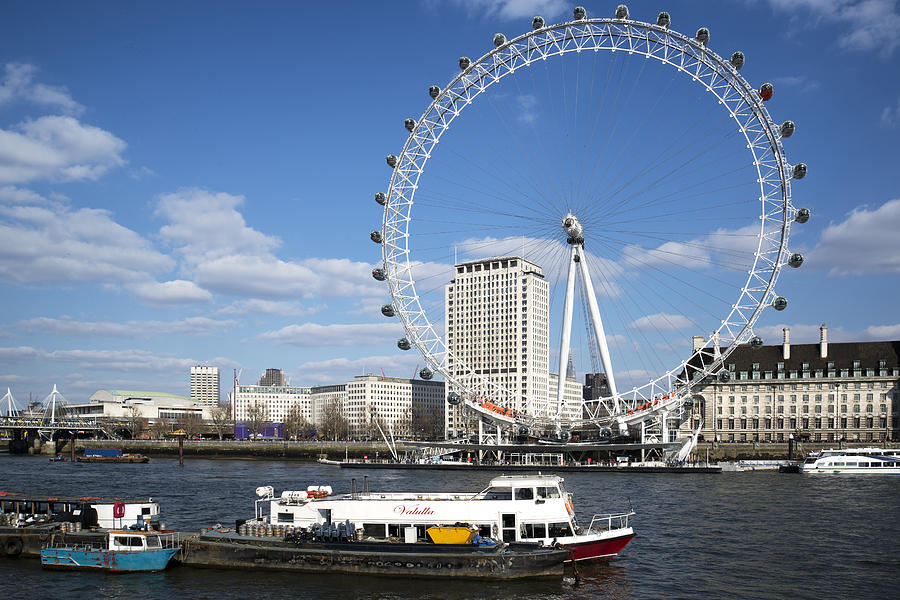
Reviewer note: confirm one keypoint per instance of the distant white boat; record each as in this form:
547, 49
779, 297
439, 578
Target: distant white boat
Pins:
855, 461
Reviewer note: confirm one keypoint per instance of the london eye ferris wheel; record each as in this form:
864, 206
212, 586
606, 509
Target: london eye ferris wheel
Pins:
637, 168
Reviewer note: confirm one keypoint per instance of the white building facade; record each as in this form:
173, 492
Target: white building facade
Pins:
498, 326
278, 401
573, 397
393, 402
205, 385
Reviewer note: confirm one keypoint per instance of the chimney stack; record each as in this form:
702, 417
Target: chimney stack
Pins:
786, 345
823, 341
698, 342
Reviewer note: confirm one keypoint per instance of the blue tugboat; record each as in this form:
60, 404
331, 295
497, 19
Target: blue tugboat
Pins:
126, 552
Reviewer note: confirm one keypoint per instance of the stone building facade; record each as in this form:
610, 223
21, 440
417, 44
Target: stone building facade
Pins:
825, 392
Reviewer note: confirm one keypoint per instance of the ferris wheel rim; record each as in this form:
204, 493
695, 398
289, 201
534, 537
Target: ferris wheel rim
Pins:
651, 41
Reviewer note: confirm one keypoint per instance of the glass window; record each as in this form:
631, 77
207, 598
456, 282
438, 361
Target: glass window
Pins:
559, 530
524, 493
547, 492
535, 530
498, 493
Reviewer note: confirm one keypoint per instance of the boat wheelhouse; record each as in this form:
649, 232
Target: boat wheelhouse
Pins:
854, 461
86, 511
512, 508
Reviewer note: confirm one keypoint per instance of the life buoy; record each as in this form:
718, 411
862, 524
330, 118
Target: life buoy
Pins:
13, 546
118, 510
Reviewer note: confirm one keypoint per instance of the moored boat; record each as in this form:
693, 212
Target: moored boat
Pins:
513, 508
105, 455
124, 552
853, 461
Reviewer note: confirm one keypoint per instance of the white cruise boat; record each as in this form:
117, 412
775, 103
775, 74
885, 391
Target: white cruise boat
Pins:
855, 461
513, 508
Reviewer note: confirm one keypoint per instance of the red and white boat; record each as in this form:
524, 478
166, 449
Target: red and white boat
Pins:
513, 508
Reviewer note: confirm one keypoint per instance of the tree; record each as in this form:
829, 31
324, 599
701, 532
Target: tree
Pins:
257, 417
161, 427
191, 423
221, 418
334, 424
295, 423
134, 421
427, 422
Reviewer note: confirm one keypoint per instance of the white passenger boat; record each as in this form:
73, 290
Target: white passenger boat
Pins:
856, 461
517, 508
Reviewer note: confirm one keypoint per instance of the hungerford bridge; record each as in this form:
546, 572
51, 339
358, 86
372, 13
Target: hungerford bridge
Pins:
47, 422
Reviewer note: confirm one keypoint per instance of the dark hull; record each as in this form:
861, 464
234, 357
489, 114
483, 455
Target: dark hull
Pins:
405, 560
113, 459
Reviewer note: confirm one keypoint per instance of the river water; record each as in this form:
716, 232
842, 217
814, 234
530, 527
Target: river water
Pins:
734, 535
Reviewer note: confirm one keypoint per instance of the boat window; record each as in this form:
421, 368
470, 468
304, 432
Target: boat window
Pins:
484, 530
285, 517
153, 541
498, 493
375, 530
559, 530
524, 493
547, 492
535, 530
128, 541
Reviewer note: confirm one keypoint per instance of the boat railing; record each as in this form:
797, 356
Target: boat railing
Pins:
609, 522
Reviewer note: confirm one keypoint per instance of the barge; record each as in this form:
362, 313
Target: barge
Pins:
347, 556
108, 455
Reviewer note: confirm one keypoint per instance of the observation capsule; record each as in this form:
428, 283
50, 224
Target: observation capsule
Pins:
537, 22
795, 260
766, 91
564, 434
779, 303
579, 14
380, 198
464, 63
410, 124
388, 310
524, 430
453, 399
499, 39
426, 373
799, 171
376, 236
703, 35
755, 342
737, 60
787, 129
621, 12
378, 274
434, 91
688, 403
391, 160
663, 19
802, 215
404, 344
724, 375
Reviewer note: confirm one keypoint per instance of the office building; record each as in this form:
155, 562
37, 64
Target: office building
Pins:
205, 385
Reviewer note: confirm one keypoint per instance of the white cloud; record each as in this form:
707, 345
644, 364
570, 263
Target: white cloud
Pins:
800, 82
204, 226
195, 326
866, 25
57, 148
18, 85
46, 241
661, 322
269, 307
118, 360
515, 9
339, 370
693, 255
314, 335
883, 332
526, 104
890, 116
170, 293
866, 242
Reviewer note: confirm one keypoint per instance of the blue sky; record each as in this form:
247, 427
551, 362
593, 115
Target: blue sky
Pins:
192, 183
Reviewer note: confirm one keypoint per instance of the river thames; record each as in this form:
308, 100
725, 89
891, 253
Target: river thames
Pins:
729, 535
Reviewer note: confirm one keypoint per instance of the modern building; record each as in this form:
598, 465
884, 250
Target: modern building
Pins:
205, 385
277, 400
119, 404
498, 327
325, 396
820, 392
395, 404
273, 378
572, 397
